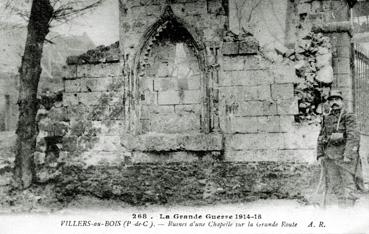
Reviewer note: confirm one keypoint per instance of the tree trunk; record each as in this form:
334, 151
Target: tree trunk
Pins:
30, 71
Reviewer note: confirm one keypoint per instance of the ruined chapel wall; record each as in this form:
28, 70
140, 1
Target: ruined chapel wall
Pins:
256, 96
258, 108
93, 102
265, 153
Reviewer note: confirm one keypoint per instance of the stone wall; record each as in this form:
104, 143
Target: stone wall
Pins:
258, 108
171, 85
184, 96
93, 104
201, 106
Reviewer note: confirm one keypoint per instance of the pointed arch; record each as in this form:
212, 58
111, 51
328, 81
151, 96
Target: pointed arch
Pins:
167, 17
187, 33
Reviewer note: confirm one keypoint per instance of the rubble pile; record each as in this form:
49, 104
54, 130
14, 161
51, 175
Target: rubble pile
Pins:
313, 63
101, 54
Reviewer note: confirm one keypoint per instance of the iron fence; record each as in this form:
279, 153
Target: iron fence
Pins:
361, 87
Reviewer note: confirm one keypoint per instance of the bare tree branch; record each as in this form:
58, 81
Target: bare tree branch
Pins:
63, 10
39, 18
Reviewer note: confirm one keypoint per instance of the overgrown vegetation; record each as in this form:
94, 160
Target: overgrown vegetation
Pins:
313, 59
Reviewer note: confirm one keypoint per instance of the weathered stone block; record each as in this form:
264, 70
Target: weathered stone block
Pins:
145, 125
255, 77
277, 155
149, 98
286, 123
215, 7
164, 70
245, 93
341, 66
194, 108
284, 74
165, 84
256, 108
233, 63
303, 8
70, 99
246, 78
173, 142
145, 157
343, 80
168, 98
243, 125
282, 91
287, 107
174, 123
99, 70
79, 111
197, 8
182, 84
70, 71
255, 141
343, 51
57, 114
255, 124
191, 97
72, 86
194, 82
163, 109
230, 48
248, 47
269, 124
304, 137
256, 63
225, 78
98, 84
145, 112
90, 99
343, 39
147, 83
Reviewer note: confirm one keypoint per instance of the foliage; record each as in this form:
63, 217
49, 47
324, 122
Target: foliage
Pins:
311, 92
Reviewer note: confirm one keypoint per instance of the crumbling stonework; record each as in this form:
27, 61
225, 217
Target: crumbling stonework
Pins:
332, 19
180, 87
186, 99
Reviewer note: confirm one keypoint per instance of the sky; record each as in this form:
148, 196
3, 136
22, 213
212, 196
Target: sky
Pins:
101, 25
